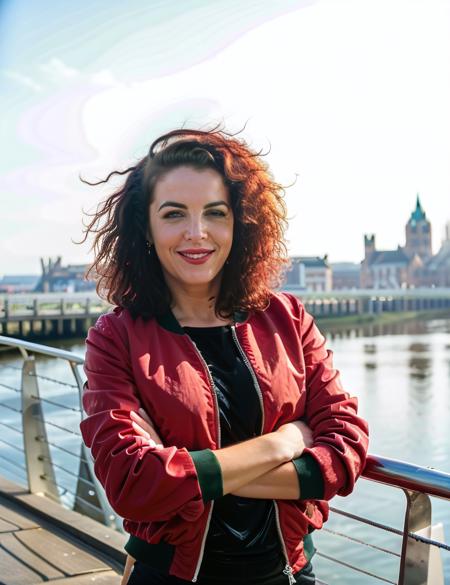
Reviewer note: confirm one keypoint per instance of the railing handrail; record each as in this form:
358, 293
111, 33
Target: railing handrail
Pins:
384, 470
42, 349
408, 476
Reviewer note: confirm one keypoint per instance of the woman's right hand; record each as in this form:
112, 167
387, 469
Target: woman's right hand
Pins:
127, 570
296, 436
143, 425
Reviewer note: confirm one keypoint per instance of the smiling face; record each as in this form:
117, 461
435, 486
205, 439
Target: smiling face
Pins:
191, 227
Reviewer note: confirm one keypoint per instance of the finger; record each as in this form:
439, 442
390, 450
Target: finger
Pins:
134, 415
145, 415
140, 431
142, 422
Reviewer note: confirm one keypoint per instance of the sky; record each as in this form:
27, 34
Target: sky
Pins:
350, 96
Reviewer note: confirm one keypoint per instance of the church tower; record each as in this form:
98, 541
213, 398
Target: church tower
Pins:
418, 234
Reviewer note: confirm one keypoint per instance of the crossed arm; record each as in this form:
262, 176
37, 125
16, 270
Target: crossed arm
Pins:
257, 468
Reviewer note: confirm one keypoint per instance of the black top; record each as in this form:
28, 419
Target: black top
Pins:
239, 526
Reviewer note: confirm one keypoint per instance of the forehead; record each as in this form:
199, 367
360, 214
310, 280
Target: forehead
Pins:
187, 183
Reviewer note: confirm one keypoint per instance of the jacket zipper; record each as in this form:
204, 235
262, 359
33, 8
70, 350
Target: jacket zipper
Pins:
219, 439
287, 569
252, 373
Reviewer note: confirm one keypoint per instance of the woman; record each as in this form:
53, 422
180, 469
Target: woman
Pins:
217, 423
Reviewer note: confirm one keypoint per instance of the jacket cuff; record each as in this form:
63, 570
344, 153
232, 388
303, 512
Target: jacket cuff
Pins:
209, 474
310, 477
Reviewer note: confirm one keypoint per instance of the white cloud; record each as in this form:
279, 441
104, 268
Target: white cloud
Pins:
57, 70
23, 80
104, 77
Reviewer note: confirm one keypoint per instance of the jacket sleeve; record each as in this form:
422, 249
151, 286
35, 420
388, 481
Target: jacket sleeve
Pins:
141, 483
340, 436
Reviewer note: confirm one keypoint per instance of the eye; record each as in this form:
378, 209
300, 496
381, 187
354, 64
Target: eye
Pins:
172, 214
216, 213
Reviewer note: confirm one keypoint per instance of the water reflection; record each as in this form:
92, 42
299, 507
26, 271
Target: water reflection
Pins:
370, 365
370, 348
419, 367
419, 347
413, 327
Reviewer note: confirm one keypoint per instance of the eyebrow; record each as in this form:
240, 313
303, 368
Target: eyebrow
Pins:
183, 206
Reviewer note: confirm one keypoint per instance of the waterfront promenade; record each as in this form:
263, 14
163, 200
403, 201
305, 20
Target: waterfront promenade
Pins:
51, 315
40, 541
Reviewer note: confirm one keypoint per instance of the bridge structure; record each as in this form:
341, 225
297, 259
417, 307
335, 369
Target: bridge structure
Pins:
71, 314
358, 302
58, 498
49, 314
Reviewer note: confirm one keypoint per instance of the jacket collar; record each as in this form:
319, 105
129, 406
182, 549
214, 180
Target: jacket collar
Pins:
169, 322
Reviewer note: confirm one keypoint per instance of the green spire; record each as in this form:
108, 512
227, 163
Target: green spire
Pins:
418, 214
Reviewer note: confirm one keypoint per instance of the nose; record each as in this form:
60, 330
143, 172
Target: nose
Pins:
196, 229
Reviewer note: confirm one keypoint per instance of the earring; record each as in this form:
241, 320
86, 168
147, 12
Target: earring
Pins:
149, 246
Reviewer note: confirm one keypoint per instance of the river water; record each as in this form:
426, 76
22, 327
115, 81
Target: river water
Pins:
401, 376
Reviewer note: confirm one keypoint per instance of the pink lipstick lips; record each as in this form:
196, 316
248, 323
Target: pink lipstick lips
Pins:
195, 255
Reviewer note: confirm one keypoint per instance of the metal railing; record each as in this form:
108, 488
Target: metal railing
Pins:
49, 454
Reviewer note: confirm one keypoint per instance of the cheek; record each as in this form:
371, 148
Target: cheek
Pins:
225, 234
164, 235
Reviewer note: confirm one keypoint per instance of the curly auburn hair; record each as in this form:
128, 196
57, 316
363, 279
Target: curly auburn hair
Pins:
129, 276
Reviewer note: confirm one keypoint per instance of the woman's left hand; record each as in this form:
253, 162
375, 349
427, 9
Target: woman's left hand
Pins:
143, 425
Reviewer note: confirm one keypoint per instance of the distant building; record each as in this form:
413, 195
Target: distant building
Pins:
436, 271
418, 234
387, 268
18, 283
309, 273
412, 265
345, 275
58, 278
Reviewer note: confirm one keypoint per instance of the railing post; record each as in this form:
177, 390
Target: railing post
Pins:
91, 502
415, 554
41, 477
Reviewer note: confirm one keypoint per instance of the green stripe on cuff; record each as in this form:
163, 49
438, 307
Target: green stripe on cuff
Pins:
158, 556
310, 477
209, 474
308, 547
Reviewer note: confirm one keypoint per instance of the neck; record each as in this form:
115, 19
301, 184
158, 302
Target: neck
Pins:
196, 308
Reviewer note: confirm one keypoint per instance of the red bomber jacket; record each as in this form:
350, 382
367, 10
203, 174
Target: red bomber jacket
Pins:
166, 496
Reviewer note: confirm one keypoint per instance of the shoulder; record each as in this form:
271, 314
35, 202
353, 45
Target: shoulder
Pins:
111, 322
117, 326
284, 314
286, 302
